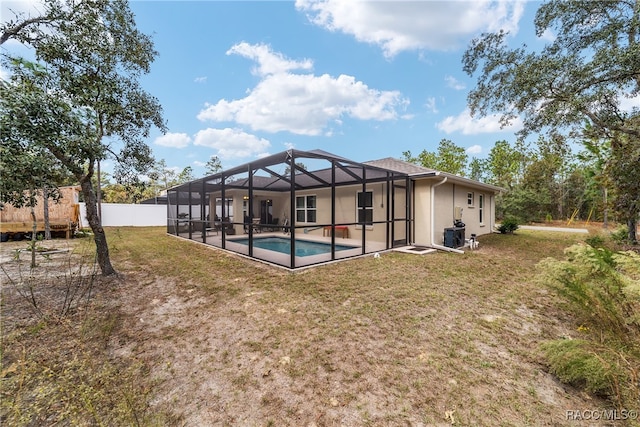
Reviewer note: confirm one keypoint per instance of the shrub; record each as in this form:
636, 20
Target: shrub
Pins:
602, 288
595, 241
621, 235
595, 368
509, 225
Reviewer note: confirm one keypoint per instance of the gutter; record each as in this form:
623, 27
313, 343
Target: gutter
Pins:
433, 219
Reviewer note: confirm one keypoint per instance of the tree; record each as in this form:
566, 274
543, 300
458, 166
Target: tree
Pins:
94, 56
449, 158
25, 171
185, 176
299, 166
505, 164
213, 165
626, 180
585, 73
582, 76
477, 169
594, 160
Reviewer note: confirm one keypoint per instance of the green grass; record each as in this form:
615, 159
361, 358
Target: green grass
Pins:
220, 340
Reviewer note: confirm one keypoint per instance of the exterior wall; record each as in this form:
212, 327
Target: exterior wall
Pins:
346, 210
449, 196
422, 213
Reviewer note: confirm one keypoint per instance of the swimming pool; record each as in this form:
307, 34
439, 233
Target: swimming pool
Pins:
283, 245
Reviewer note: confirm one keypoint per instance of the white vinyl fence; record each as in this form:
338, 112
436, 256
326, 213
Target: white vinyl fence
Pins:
122, 215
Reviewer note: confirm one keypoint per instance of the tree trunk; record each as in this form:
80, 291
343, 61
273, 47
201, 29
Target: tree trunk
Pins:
102, 249
33, 237
632, 225
605, 223
45, 207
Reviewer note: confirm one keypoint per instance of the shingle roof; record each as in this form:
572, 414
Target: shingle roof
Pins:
399, 166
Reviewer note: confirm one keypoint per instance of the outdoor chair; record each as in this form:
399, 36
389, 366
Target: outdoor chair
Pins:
255, 225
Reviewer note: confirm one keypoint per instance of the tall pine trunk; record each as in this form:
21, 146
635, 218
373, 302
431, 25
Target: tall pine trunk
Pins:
102, 249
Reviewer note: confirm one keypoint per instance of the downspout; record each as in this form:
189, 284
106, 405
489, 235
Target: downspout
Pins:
433, 219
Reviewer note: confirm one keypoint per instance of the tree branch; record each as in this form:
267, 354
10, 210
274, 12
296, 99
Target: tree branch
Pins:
14, 30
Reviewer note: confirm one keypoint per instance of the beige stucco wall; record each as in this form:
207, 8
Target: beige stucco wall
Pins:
448, 196
345, 209
422, 213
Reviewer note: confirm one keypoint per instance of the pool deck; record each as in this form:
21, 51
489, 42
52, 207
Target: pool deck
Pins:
282, 259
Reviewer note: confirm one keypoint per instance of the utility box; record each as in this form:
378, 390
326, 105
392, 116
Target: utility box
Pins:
454, 237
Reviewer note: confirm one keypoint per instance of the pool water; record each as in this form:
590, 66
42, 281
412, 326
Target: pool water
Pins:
283, 245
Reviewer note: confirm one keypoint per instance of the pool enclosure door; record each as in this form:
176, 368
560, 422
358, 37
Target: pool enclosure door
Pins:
400, 208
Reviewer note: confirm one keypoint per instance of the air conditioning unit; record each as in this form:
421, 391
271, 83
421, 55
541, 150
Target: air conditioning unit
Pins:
454, 237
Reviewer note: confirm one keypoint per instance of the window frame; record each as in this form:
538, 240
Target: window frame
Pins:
368, 225
481, 208
471, 199
306, 210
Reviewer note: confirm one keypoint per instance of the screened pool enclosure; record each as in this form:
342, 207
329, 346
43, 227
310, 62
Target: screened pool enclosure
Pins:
295, 209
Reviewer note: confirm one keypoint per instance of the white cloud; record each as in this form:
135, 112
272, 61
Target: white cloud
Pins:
269, 62
468, 125
26, 8
201, 79
629, 104
175, 140
231, 143
302, 104
413, 25
431, 105
199, 163
474, 149
548, 35
454, 83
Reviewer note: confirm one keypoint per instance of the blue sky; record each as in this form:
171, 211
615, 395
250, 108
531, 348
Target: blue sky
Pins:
363, 80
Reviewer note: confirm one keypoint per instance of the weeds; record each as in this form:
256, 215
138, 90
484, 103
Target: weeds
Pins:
54, 365
602, 289
54, 290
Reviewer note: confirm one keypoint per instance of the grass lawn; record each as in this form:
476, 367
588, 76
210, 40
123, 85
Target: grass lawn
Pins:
190, 335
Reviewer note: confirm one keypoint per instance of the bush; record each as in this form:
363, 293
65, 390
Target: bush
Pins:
595, 241
584, 364
602, 288
509, 225
621, 235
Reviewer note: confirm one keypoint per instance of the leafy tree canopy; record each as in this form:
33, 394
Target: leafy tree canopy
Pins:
213, 166
89, 97
587, 72
449, 158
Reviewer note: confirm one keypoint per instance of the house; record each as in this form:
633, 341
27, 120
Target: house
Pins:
300, 208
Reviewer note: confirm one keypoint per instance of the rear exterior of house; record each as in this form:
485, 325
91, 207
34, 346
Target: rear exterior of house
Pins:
440, 199
271, 208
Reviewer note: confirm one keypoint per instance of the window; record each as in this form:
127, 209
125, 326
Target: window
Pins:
470, 199
306, 209
365, 207
481, 208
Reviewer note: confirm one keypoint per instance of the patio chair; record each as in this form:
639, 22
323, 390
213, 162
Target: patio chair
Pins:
255, 225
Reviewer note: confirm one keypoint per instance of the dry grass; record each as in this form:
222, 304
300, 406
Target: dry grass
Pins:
400, 340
